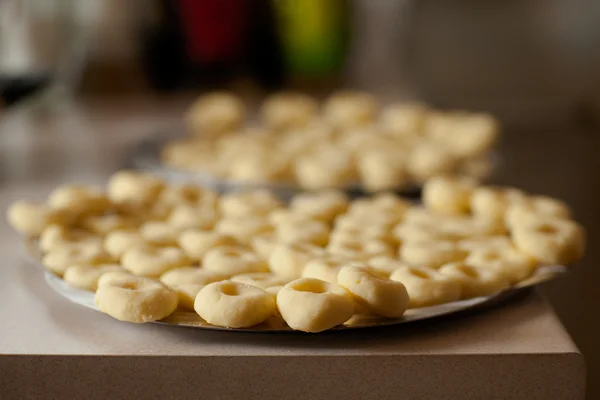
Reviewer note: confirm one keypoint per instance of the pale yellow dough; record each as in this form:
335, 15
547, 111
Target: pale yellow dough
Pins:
153, 261
475, 281
289, 260
58, 260
431, 253
384, 266
135, 299
78, 200
427, 160
350, 109
382, 169
550, 240
485, 242
283, 111
403, 119
263, 280
134, 189
508, 262
187, 194
534, 207
234, 305
310, 168
56, 236
118, 242
243, 228
312, 305
448, 195
196, 243
86, 276
185, 217
307, 231
215, 113
326, 267
31, 219
264, 244
233, 260
105, 224
324, 206
159, 233
274, 290
249, 203
360, 249
113, 276
188, 275
378, 295
492, 202
187, 293
361, 232
426, 286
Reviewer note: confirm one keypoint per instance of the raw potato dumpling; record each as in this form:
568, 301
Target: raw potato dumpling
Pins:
196, 242
475, 281
234, 305
86, 276
403, 120
431, 253
378, 295
324, 206
190, 275
263, 280
448, 195
31, 219
153, 261
215, 113
118, 242
58, 260
289, 260
134, 190
312, 305
248, 203
310, 169
350, 109
233, 260
382, 169
426, 286
551, 241
427, 160
135, 299
78, 200
284, 111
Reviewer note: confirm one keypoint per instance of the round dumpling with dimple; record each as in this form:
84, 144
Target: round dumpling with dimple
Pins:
312, 305
426, 286
378, 295
135, 299
234, 305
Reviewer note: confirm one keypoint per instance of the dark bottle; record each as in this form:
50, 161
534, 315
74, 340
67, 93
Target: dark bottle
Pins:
265, 60
162, 55
14, 88
207, 43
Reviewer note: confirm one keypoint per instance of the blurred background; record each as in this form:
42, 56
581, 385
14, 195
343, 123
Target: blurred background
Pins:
81, 80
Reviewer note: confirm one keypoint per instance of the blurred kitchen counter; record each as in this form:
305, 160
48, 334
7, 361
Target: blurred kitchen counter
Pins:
89, 141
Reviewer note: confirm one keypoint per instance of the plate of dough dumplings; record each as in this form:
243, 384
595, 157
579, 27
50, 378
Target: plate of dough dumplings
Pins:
144, 250
364, 146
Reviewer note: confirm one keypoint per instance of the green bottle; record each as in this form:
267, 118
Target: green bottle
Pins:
314, 35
